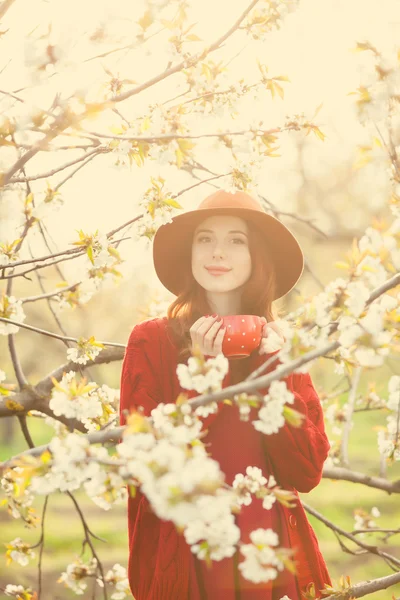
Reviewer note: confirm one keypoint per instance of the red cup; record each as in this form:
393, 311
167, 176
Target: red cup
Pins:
242, 336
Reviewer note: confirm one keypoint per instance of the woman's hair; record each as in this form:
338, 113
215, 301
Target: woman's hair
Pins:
257, 296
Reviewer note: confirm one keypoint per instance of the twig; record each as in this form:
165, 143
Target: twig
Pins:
372, 549
52, 172
55, 335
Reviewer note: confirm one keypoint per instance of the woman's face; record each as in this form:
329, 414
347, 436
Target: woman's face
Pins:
221, 240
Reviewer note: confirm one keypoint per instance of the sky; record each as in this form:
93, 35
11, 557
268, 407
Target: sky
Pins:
313, 49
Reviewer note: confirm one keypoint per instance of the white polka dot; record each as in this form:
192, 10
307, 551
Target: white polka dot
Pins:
254, 339
229, 339
244, 333
242, 346
242, 320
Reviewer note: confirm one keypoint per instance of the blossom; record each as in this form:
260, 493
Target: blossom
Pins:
182, 433
357, 295
75, 402
268, 501
216, 526
10, 308
261, 562
85, 351
117, 577
203, 379
75, 575
394, 393
19, 551
271, 417
18, 591
206, 409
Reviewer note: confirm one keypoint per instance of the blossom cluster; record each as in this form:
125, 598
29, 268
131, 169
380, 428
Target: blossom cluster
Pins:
254, 483
87, 349
363, 520
268, 16
10, 308
262, 563
182, 483
271, 417
77, 573
158, 206
204, 377
89, 403
19, 552
366, 332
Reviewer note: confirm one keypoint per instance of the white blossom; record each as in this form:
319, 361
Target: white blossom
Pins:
261, 563
20, 552
271, 417
82, 406
75, 575
82, 355
375, 512
117, 577
10, 308
208, 380
16, 590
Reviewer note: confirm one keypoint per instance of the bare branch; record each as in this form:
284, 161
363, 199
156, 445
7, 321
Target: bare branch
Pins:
379, 483
49, 294
5, 6
99, 150
370, 548
368, 587
55, 335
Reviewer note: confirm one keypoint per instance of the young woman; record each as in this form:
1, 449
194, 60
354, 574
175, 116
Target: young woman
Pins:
259, 260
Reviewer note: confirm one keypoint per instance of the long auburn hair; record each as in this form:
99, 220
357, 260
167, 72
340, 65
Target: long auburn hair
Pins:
257, 297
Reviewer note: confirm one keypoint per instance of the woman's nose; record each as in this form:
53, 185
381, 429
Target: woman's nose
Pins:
218, 252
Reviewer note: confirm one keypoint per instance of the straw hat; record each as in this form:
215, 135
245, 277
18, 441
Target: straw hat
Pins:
172, 241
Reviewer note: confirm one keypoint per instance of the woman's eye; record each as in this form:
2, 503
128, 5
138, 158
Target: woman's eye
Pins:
206, 237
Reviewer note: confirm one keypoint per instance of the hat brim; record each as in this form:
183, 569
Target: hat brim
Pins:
172, 244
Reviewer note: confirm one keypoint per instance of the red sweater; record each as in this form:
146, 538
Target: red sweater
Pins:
161, 565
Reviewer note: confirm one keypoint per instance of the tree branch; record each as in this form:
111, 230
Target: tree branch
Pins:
101, 150
344, 474
187, 62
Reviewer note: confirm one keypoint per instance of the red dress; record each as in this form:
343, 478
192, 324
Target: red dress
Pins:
161, 565
236, 444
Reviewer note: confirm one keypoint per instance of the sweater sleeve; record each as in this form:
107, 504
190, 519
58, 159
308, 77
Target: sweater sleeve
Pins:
298, 454
158, 555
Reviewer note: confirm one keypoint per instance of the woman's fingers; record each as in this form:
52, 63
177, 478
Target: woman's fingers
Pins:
219, 338
209, 338
204, 333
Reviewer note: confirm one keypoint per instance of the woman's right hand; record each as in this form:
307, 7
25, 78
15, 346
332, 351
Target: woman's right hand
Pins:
208, 333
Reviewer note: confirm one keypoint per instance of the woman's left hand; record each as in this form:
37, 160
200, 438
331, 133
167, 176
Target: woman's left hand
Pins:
272, 338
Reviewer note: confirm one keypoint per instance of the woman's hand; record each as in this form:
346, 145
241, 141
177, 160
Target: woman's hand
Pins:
272, 338
208, 334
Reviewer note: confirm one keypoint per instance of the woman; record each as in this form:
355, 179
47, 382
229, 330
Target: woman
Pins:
261, 261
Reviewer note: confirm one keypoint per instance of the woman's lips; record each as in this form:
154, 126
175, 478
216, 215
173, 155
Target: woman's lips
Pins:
217, 273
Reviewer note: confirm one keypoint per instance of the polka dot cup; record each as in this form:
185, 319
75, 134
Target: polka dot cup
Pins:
243, 335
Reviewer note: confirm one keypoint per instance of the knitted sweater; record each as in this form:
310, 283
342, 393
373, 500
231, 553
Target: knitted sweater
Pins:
161, 565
